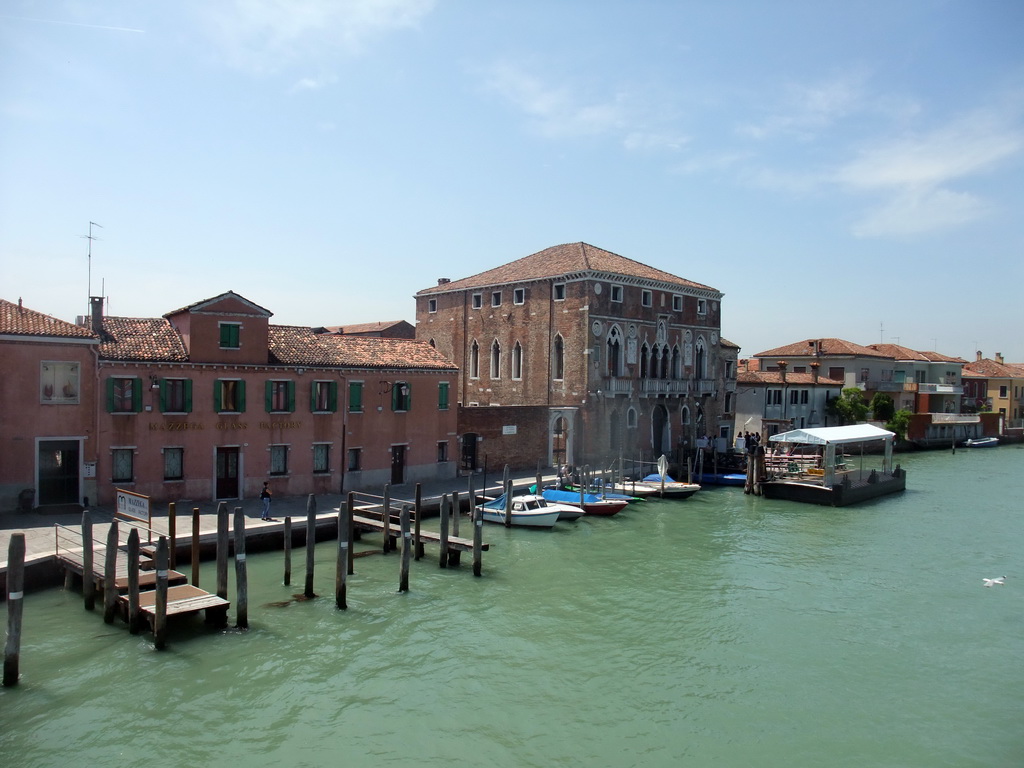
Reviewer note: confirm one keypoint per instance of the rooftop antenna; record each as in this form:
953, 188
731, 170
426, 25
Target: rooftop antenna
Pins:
90, 238
881, 333
897, 339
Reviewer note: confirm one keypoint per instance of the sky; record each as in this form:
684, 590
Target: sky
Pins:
836, 169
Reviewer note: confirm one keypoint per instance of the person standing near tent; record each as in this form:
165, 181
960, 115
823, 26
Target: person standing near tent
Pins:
265, 498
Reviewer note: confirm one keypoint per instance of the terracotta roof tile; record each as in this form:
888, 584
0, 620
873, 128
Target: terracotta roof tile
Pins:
152, 339
898, 352
827, 348
291, 345
775, 377
562, 260
990, 369
17, 320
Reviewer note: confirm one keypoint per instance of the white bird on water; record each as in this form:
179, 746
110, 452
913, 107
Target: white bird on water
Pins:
993, 582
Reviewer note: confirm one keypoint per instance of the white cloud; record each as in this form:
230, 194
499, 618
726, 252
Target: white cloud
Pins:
808, 109
264, 35
915, 212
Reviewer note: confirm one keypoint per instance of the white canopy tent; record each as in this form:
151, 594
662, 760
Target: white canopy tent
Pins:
830, 437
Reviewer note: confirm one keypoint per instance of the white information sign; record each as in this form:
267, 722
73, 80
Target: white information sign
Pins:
133, 505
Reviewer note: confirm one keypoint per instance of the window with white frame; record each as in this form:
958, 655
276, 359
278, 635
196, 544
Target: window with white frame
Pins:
174, 463
519, 296
517, 361
702, 306
677, 303
431, 305
321, 458
58, 382
122, 465
495, 360
616, 293
558, 291
646, 298
478, 300
279, 460
496, 298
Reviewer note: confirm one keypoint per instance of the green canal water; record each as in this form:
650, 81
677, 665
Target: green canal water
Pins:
722, 630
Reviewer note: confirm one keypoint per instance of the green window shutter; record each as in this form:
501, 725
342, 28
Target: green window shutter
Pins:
188, 395
291, 397
241, 396
110, 395
218, 388
312, 397
355, 397
137, 395
408, 396
394, 397
442, 396
332, 396
268, 395
163, 395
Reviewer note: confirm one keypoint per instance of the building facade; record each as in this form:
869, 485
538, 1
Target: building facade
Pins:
211, 400
578, 355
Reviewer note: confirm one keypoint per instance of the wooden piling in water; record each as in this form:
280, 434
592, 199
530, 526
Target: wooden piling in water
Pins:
445, 516
241, 572
418, 514
110, 574
310, 545
172, 534
287, 550
386, 519
88, 587
506, 486
351, 533
195, 546
403, 579
455, 556
341, 566
222, 550
15, 608
134, 611
477, 516
160, 605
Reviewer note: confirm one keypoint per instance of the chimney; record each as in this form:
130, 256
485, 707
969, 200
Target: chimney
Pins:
443, 280
814, 371
96, 304
977, 356
999, 357
782, 369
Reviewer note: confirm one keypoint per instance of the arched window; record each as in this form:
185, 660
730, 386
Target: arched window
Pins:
558, 359
433, 344
614, 352
631, 418
700, 367
664, 362
644, 360
474, 360
517, 361
495, 360
684, 415
677, 368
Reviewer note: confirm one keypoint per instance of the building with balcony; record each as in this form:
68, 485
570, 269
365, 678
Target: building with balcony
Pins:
576, 354
993, 385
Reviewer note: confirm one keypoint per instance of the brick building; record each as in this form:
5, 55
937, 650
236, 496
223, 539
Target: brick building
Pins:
575, 354
210, 400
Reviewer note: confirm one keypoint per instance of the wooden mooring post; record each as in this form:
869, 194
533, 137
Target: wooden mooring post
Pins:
418, 514
110, 574
134, 611
172, 534
222, 550
477, 516
88, 587
287, 550
341, 567
241, 572
160, 605
445, 517
195, 546
350, 505
403, 578
15, 608
310, 545
455, 556
385, 516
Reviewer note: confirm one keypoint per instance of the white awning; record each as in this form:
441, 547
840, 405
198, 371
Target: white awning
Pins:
854, 433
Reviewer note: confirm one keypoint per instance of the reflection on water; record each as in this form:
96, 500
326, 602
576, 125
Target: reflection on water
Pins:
724, 628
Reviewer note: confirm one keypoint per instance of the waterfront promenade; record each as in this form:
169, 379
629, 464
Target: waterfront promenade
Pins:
38, 526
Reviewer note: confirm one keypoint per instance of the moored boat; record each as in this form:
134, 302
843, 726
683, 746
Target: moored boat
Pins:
590, 503
526, 512
670, 489
981, 442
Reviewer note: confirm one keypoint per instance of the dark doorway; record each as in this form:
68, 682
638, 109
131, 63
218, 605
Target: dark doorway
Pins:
58, 472
558, 440
659, 431
227, 473
469, 451
397, 464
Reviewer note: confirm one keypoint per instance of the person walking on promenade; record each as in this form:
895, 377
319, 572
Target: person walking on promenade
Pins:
265, 498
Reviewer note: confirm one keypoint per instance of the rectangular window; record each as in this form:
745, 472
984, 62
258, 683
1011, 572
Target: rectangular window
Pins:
355, 397
122, 468
174, 463
442, 451
175, 395
863, 374
677, 303
496, 299
646, 298
616, 293
727, 407
58, 383
124, 395
805, 396
280, 396
401, 396
478, 300
702, 306
431, 305
279, 459
838, 374
321, 458
229, 396
1002, 391
355, 459
230, 334
558, 291
442, 396
774, 397
323, 397
794, 396
519, 296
